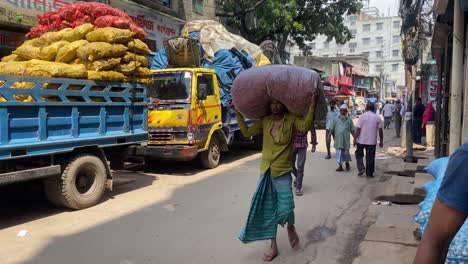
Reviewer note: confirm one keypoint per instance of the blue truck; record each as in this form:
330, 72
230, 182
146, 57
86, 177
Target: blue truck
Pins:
68, 133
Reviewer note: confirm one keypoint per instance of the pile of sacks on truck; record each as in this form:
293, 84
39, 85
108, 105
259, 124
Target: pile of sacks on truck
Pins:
82, 41
207, 44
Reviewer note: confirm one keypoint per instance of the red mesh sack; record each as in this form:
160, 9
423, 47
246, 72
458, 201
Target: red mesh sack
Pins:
112, 21
139, 32
67, 13
295, 87
37, 31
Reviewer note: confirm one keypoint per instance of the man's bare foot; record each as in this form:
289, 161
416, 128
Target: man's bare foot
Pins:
270, 254
293, 237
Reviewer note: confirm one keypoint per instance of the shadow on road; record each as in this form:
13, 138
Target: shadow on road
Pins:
24, 202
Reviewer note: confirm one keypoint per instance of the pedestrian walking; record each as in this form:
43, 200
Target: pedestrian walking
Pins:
342, 129
428, 116
418, 112
366, 139
449, 212
388, 114
299, 156
331, 115
273, 201
397, 116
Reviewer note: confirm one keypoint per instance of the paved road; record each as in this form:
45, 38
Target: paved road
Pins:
176, 213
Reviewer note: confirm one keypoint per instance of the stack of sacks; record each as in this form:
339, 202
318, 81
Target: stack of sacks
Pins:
226, 53
458, 250
83, 52
295, 87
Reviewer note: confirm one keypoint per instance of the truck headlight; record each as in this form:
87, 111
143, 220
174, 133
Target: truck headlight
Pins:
190, 136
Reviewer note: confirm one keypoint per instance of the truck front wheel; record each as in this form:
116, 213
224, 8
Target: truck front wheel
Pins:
210, 158
81, 185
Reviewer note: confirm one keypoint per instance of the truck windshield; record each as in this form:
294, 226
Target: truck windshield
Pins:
171, 86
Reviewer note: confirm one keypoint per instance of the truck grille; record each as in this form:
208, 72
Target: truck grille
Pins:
160, 136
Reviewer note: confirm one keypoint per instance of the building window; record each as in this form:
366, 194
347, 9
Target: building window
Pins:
366, 41
396, 39
380, 26
353, 32
325, 56
378, 68
352, 47
366, 27
326, 45
396, 24
379, 40
378, 54
366, 53
395, 67
395, 53
197, 6
312, 46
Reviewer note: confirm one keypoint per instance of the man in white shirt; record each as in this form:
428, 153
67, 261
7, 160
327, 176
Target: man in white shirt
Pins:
388, 114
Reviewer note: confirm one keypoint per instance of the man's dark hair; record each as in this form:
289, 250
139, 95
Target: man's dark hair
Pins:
333, 102
370, 107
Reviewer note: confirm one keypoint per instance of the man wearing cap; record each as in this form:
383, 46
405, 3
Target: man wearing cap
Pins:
342, 128
331, 115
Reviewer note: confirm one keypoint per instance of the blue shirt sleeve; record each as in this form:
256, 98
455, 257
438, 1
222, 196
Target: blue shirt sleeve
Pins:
454, 189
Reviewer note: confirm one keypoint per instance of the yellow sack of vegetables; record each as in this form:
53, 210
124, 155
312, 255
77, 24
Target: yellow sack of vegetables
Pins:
50, 52
12, 57
68, 52
77, 33
139, 47
55, 69
143, 72
103, 64
98, 50
128, 68
112, 76
13, 67
110, 35
129, 56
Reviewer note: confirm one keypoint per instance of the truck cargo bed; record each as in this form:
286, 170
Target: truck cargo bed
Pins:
60, 115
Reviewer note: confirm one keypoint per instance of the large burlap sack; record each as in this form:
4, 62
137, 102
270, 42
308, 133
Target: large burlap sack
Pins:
129, 79
12, 57
110, 35
99, 50
36, 49
55, 69
139, 47
103, 64
112, 76
128, 68
68, 52
143, 72
129, 56
68, 34
295, 87
50, 52
13, 67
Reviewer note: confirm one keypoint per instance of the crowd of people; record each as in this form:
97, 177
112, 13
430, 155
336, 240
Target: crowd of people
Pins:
285, 144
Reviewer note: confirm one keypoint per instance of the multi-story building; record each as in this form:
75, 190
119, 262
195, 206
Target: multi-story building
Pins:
374, 36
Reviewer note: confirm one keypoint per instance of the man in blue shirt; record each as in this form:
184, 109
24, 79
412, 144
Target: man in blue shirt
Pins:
449, 212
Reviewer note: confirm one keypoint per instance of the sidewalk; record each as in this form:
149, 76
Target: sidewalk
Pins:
390, 239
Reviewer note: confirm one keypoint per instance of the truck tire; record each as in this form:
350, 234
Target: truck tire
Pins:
81, 185
210, 158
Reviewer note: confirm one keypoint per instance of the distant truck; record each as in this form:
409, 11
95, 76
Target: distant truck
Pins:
186, 119
67, 133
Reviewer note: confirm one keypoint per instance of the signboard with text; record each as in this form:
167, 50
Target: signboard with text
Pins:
159, 27
24, 12
10, 39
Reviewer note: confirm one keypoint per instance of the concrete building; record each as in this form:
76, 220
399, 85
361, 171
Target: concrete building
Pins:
375, 36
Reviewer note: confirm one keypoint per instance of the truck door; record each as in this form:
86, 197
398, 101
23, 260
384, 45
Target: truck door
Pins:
208, 105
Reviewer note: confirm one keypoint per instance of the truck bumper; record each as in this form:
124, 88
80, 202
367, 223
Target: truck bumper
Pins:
168, 152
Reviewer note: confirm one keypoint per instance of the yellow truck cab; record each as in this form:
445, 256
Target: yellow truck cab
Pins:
185, 117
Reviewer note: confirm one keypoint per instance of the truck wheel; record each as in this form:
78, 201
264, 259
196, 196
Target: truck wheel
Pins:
210, 158
81, 185
257, 143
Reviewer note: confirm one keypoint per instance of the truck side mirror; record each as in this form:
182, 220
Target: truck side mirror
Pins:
202, 92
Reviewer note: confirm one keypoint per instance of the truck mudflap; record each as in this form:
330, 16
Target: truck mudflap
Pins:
167, 152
